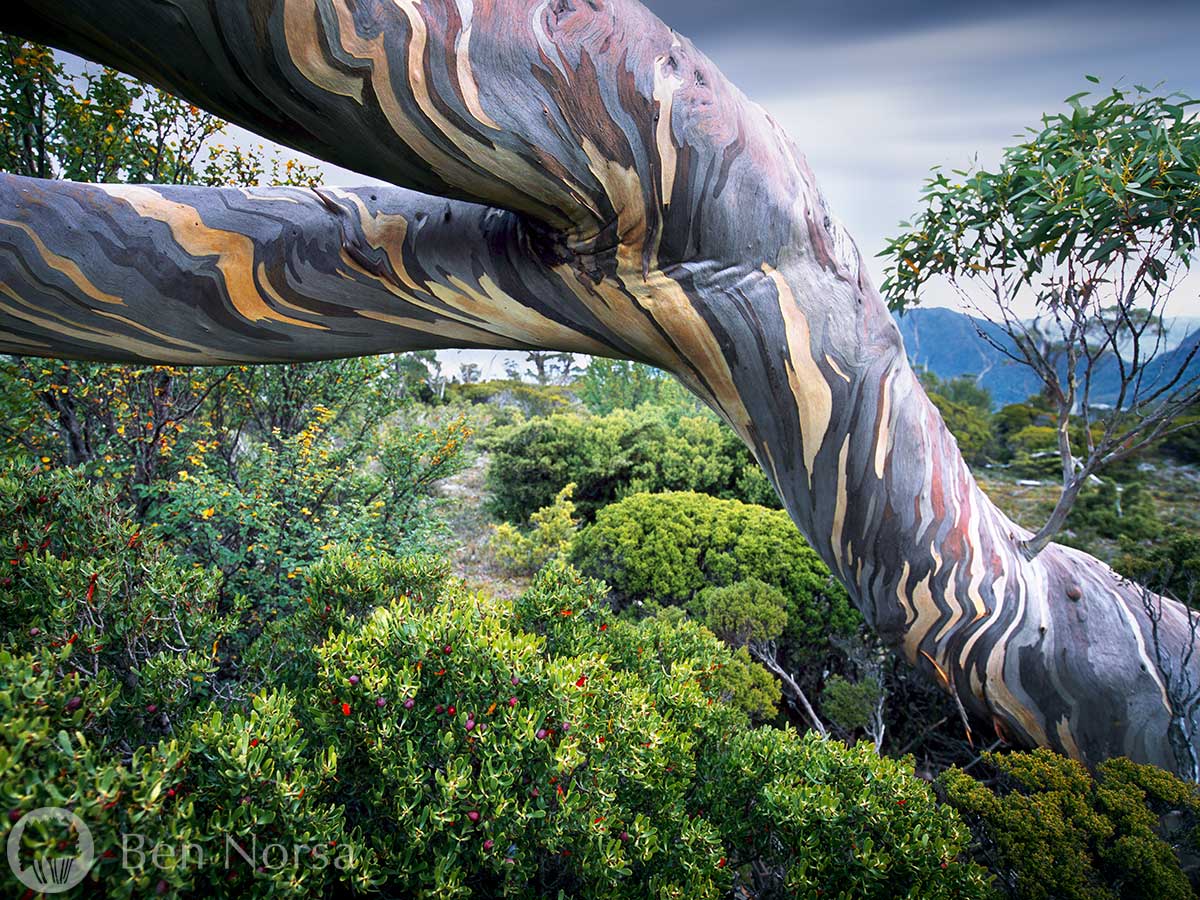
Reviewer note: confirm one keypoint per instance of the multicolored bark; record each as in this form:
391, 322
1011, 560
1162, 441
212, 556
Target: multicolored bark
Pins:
612, 194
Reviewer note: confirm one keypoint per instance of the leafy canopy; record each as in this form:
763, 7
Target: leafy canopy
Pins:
1095, 183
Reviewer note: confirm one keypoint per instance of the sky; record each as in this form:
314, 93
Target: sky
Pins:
877, 92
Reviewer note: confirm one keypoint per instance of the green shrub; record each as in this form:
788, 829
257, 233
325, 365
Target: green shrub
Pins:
1168, 565
1052, 830
550, 533
81, 574
1112, 511
669, 547
265, 516
529, 399
609, 457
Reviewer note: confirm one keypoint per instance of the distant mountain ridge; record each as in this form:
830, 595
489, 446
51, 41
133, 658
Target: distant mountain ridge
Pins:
949, 344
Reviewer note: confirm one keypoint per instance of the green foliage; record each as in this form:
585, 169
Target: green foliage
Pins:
551, 531
1113, 511
1052, 830
742, 612
1184, 445
261, 516
839, 821
1098, 183
611, 384
850, 704
609, 457
1168, 565
82, 576
669, 547
530, 399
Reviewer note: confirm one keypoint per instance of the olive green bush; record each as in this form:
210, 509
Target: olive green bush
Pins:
611, 456
668, 548
551, 530
1053, 831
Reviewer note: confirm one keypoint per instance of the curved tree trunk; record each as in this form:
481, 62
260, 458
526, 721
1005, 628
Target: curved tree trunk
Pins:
622, 199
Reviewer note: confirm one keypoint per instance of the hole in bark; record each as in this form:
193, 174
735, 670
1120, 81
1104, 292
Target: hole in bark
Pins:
700, 82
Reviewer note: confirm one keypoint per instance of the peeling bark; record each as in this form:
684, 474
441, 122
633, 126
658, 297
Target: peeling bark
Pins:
609, 193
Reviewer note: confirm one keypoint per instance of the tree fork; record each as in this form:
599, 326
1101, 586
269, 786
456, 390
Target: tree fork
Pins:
611, 193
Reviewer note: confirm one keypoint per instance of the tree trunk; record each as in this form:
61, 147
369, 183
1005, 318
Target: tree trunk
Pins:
632, 204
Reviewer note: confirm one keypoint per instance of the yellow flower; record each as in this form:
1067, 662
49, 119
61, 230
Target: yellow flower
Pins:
305, 511
209, 513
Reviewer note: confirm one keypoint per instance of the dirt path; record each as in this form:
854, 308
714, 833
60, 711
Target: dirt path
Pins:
472, 526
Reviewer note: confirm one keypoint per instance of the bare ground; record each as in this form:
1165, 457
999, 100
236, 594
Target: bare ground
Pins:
471, 526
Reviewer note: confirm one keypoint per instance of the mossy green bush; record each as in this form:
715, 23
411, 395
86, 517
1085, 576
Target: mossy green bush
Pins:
612, 456
669, 547
1053, 831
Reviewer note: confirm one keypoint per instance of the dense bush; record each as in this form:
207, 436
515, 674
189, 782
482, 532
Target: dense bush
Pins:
549, 536
669, 547
609, 457
1052, 831
434, 742
1113, 511
530, 399
261, 516
146, 629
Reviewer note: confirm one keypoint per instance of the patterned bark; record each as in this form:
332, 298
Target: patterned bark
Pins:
613, 194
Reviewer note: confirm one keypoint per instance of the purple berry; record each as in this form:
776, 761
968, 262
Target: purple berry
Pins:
566, 726
152, 708
409, 703
439, 709
74, 703
470, 724
512, 701
624, 835
541, 734
381, 702
481, 729
354, 679
473, 816
515, 680
489, 844
34, 631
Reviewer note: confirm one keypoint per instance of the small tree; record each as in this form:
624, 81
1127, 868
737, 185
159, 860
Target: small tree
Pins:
1090, 225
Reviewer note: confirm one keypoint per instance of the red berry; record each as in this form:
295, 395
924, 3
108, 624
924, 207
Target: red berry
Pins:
151, 708
489, 844
14, 815
512, 701
162, 887
439, 709
74, 703
451, 710
447, 649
